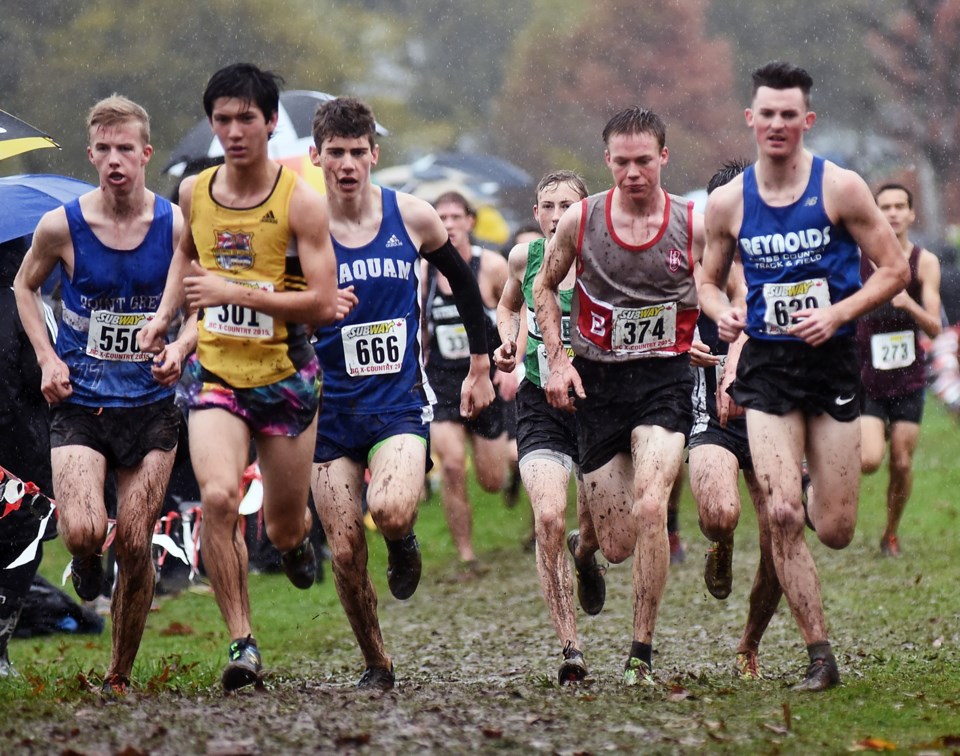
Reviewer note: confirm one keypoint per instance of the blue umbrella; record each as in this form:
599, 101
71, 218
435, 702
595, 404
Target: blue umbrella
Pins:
26, 197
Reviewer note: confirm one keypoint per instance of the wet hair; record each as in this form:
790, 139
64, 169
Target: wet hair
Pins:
244, 81
779, 74
891, 186
636, 120
553, 179
345, 117
457, 199
117, 110
726, 173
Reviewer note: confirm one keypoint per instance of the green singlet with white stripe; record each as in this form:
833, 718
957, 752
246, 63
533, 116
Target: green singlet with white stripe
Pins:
535, 359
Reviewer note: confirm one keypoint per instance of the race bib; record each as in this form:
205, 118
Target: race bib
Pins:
113, 335
239, 321
533, 327
452, 340
643, 329
889, 351
783, 300
374, 348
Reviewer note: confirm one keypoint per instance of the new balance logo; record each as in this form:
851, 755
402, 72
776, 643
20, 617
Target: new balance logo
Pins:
811, 202
393, 241
269, 218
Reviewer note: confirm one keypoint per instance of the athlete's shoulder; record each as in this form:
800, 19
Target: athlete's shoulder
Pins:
517, 259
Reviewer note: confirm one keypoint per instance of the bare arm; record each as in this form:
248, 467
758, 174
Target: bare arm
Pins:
560, 254
848, 200
927, 313
509, 309
51, 245
724, 209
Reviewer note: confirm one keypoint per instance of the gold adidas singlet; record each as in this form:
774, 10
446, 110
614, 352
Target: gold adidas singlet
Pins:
248, 247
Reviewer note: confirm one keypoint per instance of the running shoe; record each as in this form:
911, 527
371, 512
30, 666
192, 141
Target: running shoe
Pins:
718, 569
404, 565
574, 668
890, 546
377, 678
244, 667
300, 564
748, 666
637, 672
115, 686
6, 668
678, 554
87, 576
821, 674
591, 587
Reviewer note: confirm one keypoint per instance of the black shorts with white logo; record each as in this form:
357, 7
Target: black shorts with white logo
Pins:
779, 377
541, 427
123, 435
622, 396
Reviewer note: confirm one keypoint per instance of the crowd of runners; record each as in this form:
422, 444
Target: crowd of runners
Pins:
354, 339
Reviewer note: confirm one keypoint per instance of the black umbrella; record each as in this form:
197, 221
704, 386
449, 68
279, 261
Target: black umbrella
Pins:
17, 136
293, 136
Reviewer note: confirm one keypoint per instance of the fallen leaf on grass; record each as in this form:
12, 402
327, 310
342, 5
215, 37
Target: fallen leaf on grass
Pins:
356, 739
130, 751
177, 628
491, 732
873, 744
678, 694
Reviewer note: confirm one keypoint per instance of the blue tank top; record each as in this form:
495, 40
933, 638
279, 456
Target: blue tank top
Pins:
105, 305
372, 359
794, 258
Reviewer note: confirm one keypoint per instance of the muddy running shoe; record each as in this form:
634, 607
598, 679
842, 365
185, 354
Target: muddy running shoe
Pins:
821, 674
637, 672
115, 686
890, 546
403, 566
718, 569
748, 666
244, 667
6, 668
591, 587
574, 668
87, 576
678, 554
300, 564
377, 678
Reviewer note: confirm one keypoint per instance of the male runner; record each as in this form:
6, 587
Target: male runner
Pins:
448, 360
893, 368
718, 451
796, 222
631, 326
112, 407
377, 399
256, 263
547, 437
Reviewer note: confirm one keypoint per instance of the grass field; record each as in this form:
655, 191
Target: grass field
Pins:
476, 661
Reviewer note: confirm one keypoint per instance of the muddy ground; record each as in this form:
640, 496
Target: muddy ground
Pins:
476, 665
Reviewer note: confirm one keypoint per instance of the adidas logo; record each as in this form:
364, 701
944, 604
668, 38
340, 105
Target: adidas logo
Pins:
269, 218
393, 241
811, 202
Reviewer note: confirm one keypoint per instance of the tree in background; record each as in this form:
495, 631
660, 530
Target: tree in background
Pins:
575, 65
161, 55
917, 55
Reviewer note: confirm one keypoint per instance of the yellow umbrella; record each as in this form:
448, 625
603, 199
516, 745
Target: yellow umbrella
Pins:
17, 137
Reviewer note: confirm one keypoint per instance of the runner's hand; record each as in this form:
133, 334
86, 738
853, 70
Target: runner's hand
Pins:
204, 289
167, 364
505, 356
55, 380
700, 356
731, 324
506, 384
346, 301
815, 325
152, 337
563, 384
476, 392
